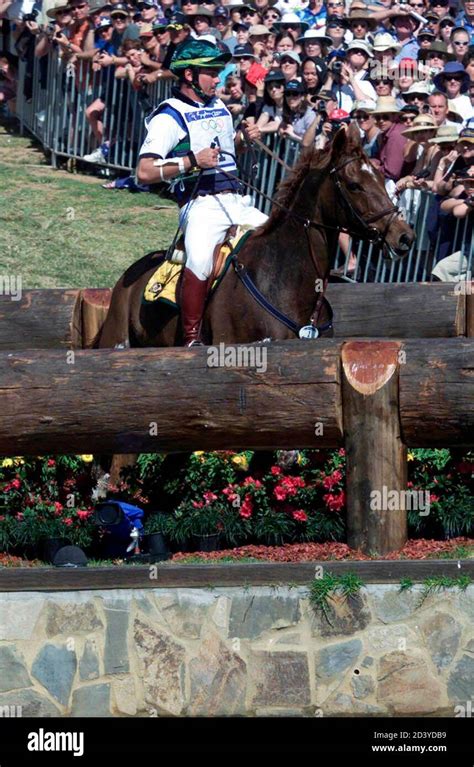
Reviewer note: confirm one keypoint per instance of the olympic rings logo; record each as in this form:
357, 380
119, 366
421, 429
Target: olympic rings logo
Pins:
216, 126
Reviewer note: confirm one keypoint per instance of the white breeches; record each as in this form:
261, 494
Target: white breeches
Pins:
205, 222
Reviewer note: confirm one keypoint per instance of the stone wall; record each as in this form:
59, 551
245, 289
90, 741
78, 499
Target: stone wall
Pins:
235, 651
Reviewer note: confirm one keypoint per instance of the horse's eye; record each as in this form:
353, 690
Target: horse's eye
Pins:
353, 186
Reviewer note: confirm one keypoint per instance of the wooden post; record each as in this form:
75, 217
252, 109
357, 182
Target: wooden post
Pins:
470, 309
89, 315
376, 457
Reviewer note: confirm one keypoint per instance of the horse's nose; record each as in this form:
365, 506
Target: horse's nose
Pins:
404, 243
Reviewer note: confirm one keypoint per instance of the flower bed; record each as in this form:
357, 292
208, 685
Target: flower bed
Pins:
247, 499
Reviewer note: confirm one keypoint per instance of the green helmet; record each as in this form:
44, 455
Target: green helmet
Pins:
198, 53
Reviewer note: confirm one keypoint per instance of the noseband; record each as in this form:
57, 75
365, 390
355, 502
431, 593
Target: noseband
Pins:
370, 233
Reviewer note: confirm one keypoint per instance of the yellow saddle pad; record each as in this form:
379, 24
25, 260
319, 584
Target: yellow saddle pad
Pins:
163, 283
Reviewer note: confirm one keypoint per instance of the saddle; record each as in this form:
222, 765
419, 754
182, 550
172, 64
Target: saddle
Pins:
164, 282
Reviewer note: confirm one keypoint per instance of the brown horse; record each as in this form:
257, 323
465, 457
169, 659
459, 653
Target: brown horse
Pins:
327, 192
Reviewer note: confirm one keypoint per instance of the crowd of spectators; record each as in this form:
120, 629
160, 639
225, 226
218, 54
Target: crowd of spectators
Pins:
404, 72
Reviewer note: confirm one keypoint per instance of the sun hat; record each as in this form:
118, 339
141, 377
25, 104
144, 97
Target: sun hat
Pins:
62, 6
467, 134
336, 21
315, 36
421, 88
421, 123
386, 105
451, 68
258, 29
384, 42
146, 30
360, 45
358, 14
445, 134
453, 113
365, 105
438, 47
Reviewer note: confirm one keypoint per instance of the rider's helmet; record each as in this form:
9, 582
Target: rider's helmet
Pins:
195, 54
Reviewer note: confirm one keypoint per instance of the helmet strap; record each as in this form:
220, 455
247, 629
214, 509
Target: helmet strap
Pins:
196, 87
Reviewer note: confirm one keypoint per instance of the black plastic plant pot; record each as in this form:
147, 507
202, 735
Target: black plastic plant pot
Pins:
157, 546
51, 546
207, 542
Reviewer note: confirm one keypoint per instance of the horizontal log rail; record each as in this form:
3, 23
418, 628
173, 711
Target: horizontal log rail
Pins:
55, 318
169, 575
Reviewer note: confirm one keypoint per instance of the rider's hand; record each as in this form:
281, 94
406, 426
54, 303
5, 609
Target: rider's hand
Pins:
208, 158
252, 131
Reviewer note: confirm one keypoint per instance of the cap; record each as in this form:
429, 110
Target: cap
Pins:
243, 50
221, 12
294, 86
290, 55
104, 23
339, 114
274, 75
360, 45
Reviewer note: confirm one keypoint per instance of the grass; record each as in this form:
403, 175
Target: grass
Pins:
59, 229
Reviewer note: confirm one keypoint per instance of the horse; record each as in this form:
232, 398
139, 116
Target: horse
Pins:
326, 192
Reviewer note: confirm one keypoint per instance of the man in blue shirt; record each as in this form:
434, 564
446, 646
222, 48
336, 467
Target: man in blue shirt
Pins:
405, 26
314, 14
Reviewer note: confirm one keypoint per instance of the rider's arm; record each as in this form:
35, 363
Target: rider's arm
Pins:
154, 170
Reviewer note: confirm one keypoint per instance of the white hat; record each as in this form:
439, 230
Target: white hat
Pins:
422, 87
366, 105
384, 41
360, 45
315, 36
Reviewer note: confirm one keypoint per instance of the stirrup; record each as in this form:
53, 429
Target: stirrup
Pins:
193, 343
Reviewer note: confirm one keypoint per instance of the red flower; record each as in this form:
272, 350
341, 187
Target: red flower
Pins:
337, 475
335, 502
434, 498
300, 516
198, 504
15, 483
68, 522
19, 515
341, 451
209, 497
51, 462
58, 506
246, 508
329, 482
83, 514
275, 470
251, 481
280, 493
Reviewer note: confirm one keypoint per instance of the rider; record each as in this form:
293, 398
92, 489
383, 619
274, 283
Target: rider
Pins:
190, 140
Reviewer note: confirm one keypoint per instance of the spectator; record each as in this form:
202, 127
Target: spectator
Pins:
273, 97
290, 65
405, 26
270, 15
314, 43
453, 80
465, 17
360, 24
438, 104
362, 113
390, 142
292, 25
446, 26
314, 73
222, 24
459, 43
435, 57
336, 29
421, 152
417, 94
384, 49
8, 80
284, 42
314, 15
297, 115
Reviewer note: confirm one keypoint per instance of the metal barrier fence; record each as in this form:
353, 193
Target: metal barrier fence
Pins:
56, 114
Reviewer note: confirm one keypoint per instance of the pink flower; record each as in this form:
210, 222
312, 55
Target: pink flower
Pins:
341, 451
251, 481
337, 475
246, 508
15, 483
335, 502
280, 493
329, 482
198, 504
434, 498
68, 522
83, 514
275, 470
19, 515
300, 516
51, 462
58, 506
209, 497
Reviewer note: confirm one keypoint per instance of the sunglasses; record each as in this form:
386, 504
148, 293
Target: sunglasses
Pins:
383, 81
383, 117
116, 17
460, 42
79, 7
361, 116
290, 26
407, 118
287, 61
275, 85
271, 16
453, 78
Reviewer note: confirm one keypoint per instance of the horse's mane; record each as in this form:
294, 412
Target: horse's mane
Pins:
309, 159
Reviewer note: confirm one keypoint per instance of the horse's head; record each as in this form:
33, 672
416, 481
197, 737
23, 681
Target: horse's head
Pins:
364, 206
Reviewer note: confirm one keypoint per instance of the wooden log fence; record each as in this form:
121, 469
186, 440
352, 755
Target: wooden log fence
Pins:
375, 397
48, 319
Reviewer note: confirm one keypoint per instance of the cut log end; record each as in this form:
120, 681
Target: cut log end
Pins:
368, 365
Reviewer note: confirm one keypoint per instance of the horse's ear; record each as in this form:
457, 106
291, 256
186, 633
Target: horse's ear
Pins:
353, 141
338, 143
